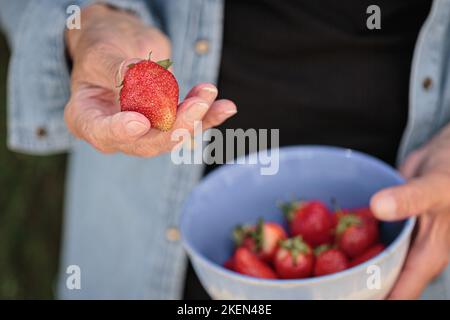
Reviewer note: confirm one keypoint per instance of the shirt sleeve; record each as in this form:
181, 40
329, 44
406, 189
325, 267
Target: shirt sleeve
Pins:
38, 77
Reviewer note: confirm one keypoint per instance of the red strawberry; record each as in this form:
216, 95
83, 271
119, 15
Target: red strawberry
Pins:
362, 212
356, 233
329, 260
367, 255
262, 239
311, 220
229, 264
149, 88
294, 259
246, 262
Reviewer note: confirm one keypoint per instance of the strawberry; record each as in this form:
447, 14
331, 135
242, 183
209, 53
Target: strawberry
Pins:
294, 259
362, 212
229, 264
246, 262
262, 239
310, 219
355, 233
149, 88
329, 260
367, 255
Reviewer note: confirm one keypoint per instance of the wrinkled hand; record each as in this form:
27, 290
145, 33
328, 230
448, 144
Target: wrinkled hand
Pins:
426, 195
107, 43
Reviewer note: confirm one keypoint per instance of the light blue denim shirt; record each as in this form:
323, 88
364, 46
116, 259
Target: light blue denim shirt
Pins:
122, 212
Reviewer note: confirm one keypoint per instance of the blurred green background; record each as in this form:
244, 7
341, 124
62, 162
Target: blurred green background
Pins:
31, 193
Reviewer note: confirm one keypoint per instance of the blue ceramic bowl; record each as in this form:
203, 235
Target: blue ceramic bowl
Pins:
236, 194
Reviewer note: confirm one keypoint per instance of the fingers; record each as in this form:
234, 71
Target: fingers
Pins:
99, 122
205, 91
412, 163
413, 278
427, 258
122, 69
155, 142
219, 112
190, 111
416, 196
121, 128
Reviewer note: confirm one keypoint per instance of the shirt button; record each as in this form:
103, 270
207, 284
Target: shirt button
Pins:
427, 83
172, 234
202, 46
41, 132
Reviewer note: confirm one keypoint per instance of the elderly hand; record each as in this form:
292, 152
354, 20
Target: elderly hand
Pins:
427, 196
108, 41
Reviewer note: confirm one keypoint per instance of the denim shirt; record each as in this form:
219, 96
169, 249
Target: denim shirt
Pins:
122, 212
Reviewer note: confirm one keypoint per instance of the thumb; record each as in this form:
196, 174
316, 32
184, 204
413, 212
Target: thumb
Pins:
121, 69
416, 196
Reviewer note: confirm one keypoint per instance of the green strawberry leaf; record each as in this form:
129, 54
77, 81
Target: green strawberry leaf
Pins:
290, 208
165, 63
239, 234
323, 247
346, 221
295, 246
258, 234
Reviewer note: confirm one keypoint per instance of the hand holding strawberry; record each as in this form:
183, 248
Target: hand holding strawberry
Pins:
108, 43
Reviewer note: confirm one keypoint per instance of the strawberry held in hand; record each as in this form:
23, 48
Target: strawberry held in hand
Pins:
311, 220
149, 88
294, 259
261, 239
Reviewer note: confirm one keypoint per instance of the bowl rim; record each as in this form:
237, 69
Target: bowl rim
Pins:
290, 151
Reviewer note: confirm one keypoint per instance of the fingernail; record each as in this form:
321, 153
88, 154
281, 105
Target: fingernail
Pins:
210, 89
196, 111
385, 207
135, 128
230, 112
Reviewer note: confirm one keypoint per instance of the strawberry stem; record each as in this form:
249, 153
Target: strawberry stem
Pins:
289, 209
295, 246
323, 247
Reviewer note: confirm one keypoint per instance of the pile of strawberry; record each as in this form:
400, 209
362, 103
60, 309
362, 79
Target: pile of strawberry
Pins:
320, 242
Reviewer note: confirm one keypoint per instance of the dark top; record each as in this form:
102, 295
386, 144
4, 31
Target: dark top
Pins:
315, 71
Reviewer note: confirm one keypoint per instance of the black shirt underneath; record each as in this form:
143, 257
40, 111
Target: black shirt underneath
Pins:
313, 69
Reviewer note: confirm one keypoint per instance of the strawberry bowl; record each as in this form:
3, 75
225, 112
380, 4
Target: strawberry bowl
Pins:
236, 194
